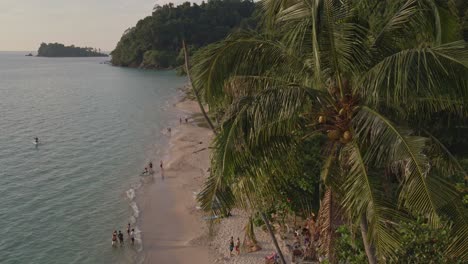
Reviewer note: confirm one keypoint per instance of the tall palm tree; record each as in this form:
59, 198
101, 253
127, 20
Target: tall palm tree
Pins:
354, 71
194, 89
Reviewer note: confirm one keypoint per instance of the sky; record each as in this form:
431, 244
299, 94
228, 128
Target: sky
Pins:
25, 24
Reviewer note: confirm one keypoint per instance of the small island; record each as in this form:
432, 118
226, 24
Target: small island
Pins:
60, 50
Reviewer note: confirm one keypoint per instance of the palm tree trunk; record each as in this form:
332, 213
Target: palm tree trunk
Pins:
195, 91
267, 223
370, 250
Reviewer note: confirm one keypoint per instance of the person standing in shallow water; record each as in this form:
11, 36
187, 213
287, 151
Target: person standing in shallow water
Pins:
132, 236
120, 235
238, 246
128, 229
114, 238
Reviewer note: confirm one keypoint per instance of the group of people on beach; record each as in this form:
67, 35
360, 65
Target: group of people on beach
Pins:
180, 120
149, 168
120, 236
169, 130
232, 246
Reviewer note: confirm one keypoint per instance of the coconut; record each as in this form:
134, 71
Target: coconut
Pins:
322, 119
347, 136
333, 134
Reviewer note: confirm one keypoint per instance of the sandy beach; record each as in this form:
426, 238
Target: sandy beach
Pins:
173, 230
169, 221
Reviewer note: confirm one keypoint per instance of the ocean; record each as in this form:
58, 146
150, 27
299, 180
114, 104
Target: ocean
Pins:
98, 127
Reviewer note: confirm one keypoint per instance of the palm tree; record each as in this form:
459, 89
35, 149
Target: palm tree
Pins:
195, 91
356, 72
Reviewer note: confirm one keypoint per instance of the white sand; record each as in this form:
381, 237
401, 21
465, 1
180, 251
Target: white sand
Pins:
234, 226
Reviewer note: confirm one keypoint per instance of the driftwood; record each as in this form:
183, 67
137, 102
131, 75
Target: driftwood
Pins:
200, 150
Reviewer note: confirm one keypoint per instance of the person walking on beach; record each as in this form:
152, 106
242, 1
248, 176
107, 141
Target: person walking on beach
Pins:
114, 238
150, 165
231, 246
132, 236
238, 246
120, 235
162, 169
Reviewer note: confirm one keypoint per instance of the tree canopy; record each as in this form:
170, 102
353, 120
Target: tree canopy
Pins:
369, 77
155, 42
60, 50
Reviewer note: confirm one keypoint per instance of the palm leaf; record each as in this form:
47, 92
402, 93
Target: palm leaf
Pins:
431, 79
363, 196
240, 54
422, 192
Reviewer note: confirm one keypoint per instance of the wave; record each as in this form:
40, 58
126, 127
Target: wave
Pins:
131, 194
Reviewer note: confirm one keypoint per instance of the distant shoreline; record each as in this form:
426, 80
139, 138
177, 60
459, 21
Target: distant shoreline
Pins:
59, 50
102, 56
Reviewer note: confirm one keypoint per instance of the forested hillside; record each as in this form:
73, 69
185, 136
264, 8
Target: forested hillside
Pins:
155, 41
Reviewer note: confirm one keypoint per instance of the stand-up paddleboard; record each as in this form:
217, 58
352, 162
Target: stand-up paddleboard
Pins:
35, 143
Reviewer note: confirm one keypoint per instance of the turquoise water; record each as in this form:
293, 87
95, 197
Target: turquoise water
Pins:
98, 127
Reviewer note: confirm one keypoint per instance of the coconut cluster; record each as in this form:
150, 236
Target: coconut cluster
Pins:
335, 120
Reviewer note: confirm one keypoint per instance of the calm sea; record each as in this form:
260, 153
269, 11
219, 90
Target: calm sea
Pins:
98, 127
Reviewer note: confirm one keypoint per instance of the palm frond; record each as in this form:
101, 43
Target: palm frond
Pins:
240, 54
428, 78
422, 192
363, 196
437, 21
396, 27
443, 159
253, 144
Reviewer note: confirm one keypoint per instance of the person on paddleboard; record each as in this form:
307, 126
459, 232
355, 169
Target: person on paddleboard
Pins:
36, 139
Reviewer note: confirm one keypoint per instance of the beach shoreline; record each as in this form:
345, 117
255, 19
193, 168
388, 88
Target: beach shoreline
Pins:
171, 226
173, 229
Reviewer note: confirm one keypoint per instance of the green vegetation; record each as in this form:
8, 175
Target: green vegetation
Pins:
349, 249
374, 93
155, 42
420, 244
60, 50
